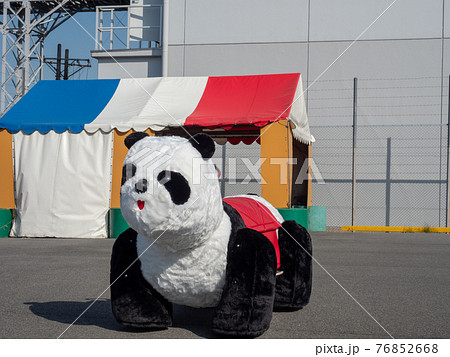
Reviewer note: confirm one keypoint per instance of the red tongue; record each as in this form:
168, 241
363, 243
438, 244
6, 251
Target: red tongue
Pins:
140, 204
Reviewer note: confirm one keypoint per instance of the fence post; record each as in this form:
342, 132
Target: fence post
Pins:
355, 97
388, 182
448, 156
224, 160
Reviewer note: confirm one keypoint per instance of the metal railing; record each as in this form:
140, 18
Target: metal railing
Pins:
125, 27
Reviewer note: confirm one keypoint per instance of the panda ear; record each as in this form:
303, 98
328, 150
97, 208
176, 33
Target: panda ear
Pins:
133, 138
204, 144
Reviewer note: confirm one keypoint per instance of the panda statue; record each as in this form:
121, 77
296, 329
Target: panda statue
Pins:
188, 246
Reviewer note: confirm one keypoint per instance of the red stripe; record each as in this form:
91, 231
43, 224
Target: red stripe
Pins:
237, 100
258, 217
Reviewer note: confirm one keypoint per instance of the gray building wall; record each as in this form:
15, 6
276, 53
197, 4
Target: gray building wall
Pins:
213, 37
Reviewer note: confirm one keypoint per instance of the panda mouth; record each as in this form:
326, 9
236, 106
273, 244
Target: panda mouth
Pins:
141, 205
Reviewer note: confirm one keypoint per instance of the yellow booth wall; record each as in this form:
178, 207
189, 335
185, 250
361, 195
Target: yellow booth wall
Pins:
7, 171
119, 153
276, 168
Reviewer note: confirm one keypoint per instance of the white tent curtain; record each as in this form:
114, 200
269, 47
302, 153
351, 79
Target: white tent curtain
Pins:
62, 184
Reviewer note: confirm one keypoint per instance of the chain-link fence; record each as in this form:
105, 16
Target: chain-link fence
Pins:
401, 151
239, 168
400, 174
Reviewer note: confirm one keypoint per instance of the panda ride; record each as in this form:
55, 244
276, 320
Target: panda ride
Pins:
188, 246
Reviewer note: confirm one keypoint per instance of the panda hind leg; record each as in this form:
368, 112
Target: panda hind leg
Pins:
248, 295
135, 304
293, 287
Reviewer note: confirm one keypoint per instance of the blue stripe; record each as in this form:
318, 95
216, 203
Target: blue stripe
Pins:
59, 106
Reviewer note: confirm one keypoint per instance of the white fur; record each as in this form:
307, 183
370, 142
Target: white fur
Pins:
192, 277
187, 258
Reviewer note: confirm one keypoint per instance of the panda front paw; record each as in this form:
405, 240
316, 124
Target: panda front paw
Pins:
247, 300
139, 311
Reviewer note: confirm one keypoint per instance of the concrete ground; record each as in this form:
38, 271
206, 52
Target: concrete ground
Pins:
401, 280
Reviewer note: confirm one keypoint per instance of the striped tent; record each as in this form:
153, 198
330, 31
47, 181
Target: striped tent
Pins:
65, 137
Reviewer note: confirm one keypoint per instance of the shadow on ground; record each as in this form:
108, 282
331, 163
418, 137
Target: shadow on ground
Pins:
198, 321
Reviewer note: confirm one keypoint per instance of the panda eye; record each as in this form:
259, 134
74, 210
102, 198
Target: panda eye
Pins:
128, 171
177, 186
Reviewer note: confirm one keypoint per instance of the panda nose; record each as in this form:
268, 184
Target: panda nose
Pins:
141, 186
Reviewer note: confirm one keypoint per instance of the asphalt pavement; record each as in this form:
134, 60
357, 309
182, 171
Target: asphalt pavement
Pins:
365, 285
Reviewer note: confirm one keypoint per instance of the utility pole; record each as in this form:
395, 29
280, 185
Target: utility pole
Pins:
56, 63
66, 65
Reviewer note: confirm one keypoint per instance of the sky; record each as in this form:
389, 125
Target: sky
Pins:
77, 39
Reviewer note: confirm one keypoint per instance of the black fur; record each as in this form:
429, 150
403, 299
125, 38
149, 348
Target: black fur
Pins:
133, 138
134, 302
177, 186
293, 288
141, 186
247, 300
204, 145
236, 220
128, 171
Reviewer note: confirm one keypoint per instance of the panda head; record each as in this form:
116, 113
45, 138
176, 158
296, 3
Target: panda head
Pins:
170, 190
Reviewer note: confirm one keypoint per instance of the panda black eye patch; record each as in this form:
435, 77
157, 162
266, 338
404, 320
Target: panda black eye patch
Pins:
177, 186
128, 171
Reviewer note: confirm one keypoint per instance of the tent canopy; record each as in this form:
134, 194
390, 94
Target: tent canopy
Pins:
159, 103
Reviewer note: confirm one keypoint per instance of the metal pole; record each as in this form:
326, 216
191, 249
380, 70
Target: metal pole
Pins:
41, 59
448, 155
66, 65
355, 96
165, 39
4, 39
388, 182
224, 160
128, 27
58, 63
26, 48
101, 30
96, 27
22, 90
111, 33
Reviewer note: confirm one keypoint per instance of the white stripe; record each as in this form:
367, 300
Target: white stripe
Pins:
177, 96
298, 116
130, 98
154, 103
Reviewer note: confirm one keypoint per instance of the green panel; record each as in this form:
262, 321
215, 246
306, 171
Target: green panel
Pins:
317, 218
300, 215
5, 222
117, 223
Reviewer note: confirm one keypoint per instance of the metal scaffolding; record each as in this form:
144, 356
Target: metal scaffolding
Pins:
24, 26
